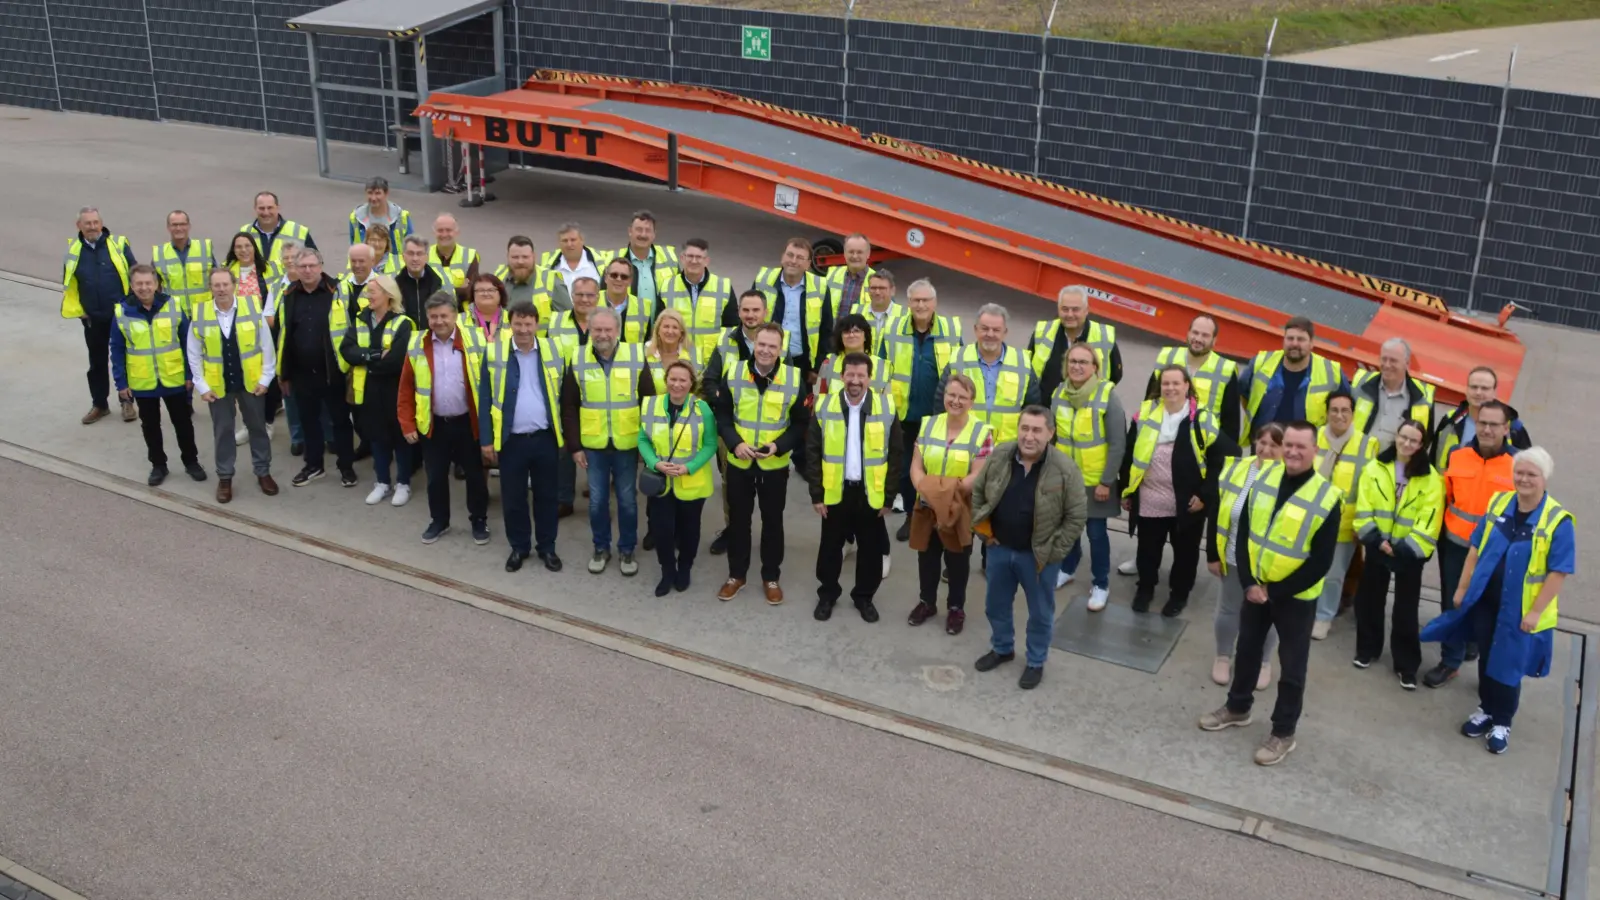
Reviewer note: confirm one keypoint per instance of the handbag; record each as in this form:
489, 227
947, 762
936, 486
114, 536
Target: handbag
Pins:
652, 483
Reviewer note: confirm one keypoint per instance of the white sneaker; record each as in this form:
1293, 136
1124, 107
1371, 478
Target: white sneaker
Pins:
493, 473
1098, 598
899, 503
1062, 580
402, 493
1319, 631
886, 565
379, 491
240, 436
269, 431
849, 549
1130, 567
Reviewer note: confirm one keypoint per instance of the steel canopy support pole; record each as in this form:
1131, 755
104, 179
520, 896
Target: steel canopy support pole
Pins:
844, 67
261, 72
428, 178
1488, 188
50, 38
1044, 65
150, 54
316, 105
1255, 133
394, 66
672, 162
499, 19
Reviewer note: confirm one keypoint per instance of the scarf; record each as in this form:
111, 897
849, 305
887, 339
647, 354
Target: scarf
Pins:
1078, 397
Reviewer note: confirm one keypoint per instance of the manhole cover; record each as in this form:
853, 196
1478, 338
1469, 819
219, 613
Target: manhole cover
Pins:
943, 678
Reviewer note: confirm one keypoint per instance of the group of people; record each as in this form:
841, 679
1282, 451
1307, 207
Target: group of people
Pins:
649, 373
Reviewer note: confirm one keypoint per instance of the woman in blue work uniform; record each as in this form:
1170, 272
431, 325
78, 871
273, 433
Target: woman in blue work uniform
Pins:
1522, 551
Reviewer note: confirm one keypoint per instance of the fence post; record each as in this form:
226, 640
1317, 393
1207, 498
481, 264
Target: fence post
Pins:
150, 54
1488, 189
672, 52
844, 65
261, 72
50, 38
1255, 133
1044, 65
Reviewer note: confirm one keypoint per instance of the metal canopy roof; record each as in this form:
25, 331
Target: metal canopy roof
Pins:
391, 18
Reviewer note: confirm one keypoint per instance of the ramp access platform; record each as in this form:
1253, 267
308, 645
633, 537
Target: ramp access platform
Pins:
1147, 270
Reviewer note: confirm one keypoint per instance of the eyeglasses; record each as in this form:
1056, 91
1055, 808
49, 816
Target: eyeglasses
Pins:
620, 276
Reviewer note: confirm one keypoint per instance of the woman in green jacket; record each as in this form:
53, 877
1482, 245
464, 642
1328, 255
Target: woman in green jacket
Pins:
677, 438
1399, 509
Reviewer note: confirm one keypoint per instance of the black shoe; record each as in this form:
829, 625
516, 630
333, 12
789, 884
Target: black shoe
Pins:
649, 541
194, 471
1361, 662
459, 471
307, 475
1141, 603
824, 610
1173, 608
347, 477
719, 543
480, 533
1438, 675
563, 510
434, 532
551, 561
680, 582
297, 448
664, 586
363, 451
1031, 676
158, 474
904, 534
1408, 680
1472, 653
869, 613
514, 561
992, 660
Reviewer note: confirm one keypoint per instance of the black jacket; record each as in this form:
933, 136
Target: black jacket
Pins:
415, 291
722, 405
379, 411
896, 455
1187, 480
1313, 570
1050, 378
308, 348
1227, 419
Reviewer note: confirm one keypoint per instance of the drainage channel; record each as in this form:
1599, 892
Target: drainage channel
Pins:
1572, 799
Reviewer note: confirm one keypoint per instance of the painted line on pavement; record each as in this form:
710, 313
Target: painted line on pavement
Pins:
20, 873
1449, 56
1179, 804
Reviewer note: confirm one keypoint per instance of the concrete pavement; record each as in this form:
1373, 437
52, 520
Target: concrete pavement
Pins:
1555, 56
1362, 739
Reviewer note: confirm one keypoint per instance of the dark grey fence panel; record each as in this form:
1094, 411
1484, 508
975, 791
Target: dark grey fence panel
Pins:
806, 72
27, 77
205, 61
1168, 130
461, 54
102, 58
349, 117
608, 37
1381, 173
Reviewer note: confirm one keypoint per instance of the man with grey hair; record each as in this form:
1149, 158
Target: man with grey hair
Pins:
1389, 396
918, 346
314, 319
95, 282
1004, 382
1052, 339
572, 260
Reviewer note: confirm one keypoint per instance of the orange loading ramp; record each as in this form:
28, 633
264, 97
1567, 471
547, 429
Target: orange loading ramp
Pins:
1147, 270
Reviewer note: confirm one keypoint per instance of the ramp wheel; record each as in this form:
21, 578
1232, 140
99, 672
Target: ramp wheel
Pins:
825, 247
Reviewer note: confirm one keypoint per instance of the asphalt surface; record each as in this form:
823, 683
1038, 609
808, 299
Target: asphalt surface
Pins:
190, 713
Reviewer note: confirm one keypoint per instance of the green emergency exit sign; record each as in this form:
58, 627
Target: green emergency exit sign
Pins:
757, 43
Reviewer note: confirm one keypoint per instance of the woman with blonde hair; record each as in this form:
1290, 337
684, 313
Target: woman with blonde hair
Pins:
374, 347
669, 342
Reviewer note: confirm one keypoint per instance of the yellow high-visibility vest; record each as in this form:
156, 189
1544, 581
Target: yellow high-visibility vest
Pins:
1230, 484
703, 314
185, 279
1280, 539
358, 374
1210, 380
71, 302
831, 373
1101, 337
552, 367
900, 348
678, 442
1081, 430
1358, 451
248, 327
1415, 519
1539, 559
544, 282
1202, 434
689, 353
1003, 411
951, 455
815, 294
609, 411
877, 417
1367, 409
760, 416
835, 281
458, 265
152, 353
1323, 379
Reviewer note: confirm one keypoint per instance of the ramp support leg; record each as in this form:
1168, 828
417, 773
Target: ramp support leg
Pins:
672, 162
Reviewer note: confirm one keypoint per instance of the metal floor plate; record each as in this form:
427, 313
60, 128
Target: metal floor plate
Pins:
1118, 635
1049, 223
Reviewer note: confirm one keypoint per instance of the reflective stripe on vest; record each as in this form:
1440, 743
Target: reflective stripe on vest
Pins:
565, 334
689, 353
1210, 380
358, 377
248, 326
677, 442
1539, 554
951, 456
71, 301
286, 229
1280, 541
1231, 483
1202, 434
608, 414
1357, 452
186, 279
1003, 411
1102, 338
152, 355
1470, 483
816, 291
1412, 520
1366, 409
760, 416
900, 349
479, 349
543, 283
835, 281
703, 316
1321, 381
458, 265
1081, 430
551, 367
833, 415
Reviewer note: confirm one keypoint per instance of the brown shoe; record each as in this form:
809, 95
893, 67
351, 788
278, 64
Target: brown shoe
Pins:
268, 486
130, 412
922, 612
730, 588
564, 510
224, 490
94, 415
774, 593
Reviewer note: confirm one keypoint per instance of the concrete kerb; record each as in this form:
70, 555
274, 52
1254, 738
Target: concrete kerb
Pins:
1312, 842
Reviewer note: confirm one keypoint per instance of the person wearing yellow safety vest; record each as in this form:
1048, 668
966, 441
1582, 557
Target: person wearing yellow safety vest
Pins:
1399, 511
704, 299
1215, 379
1342, 454
523, 435
150, 368
1458, 427
799, 303
600, 395
354, 280
852, 333
184, 265
1389, 396
314, 321
945, 463
677, 439
524, 280
847, 284
761, 416
1237, 476
385, 249
881, 309
233, 364
94, 277
569, 333
736, 344
1004, 380
439, 401
636, 314
669, 343
1169, 480
1509, 600
573, 260
1291, 384
481, 325
645, 257
1092, 430
379, 210
1289, 523
459, 264
269, 228
918, 347
375, 347
254, 282
853, 459
1072, 325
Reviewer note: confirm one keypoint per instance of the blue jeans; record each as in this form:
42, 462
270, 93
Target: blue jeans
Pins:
1452, 558
291, 411
384, 452
1099, 554
1008, 570
619, 468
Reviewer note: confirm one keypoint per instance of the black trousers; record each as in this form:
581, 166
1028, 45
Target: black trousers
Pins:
745, 488
181, 412
97, 340
1371, 599
312, 395
853, 516
451, 442
956, 562
676, 525
1184, 533
910, 430
527, 465
1293, 618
